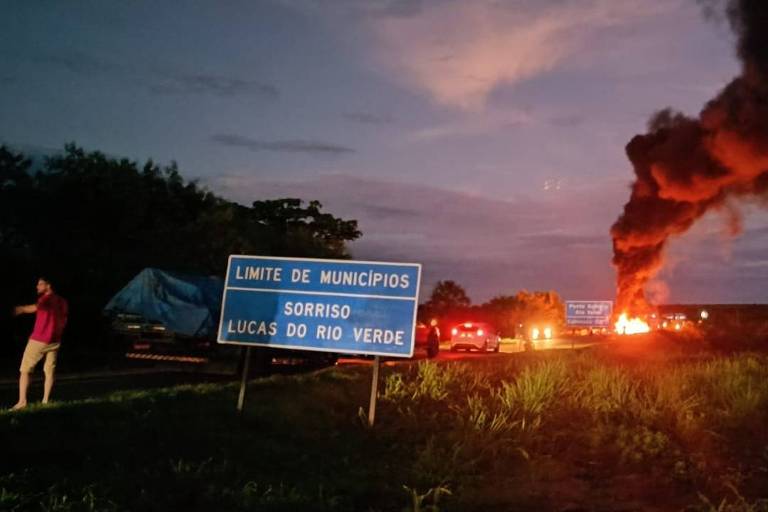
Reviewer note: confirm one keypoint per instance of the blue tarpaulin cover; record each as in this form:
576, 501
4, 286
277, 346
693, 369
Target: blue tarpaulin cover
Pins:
185, 304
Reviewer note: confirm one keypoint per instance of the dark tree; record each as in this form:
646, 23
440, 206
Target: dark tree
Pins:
449, 303
16, 190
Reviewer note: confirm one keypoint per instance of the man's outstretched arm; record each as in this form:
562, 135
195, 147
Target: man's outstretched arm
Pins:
20, 310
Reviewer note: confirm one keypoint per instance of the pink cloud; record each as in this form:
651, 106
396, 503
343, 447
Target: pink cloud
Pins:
459, 52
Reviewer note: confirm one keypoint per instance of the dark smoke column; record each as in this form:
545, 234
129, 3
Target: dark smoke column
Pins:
685, 167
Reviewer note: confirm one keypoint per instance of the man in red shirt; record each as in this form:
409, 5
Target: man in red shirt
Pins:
51, 316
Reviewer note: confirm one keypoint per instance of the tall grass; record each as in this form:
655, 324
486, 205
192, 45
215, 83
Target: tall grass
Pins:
607, 391
670, 398
449, 436
534, 390
736, 388
716, 393
678, 416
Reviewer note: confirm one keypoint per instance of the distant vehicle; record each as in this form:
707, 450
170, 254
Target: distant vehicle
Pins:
475, 335
428, 337
537, 336
675, 322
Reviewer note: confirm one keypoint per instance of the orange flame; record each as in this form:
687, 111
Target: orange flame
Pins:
634, 326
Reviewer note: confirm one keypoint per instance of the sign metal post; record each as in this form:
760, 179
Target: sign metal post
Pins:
374, 392
244, 379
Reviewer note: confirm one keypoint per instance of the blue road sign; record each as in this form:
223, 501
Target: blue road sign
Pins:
588, 313
348, 307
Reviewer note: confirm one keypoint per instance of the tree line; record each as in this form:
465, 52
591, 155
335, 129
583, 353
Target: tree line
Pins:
92, 222
510, 314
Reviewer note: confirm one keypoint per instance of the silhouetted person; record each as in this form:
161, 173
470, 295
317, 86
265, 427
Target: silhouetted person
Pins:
51, 313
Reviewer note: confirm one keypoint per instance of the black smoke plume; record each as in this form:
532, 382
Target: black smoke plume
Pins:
685, 166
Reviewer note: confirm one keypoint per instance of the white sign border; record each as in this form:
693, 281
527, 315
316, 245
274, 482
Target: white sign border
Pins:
321, 349
568, 324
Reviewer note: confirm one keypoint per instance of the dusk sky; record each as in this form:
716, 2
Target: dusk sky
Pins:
484, 139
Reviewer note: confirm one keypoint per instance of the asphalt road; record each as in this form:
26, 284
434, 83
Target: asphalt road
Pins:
137, 375
86, 385
507, 347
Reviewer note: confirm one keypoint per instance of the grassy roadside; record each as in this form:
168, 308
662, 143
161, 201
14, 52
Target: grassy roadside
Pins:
602, 429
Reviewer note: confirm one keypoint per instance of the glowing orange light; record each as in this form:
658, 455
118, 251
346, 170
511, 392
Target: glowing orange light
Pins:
634, 326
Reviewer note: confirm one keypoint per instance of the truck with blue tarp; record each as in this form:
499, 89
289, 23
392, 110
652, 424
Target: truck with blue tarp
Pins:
172, 316
162, 311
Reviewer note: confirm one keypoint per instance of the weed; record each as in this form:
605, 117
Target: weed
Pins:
731, 391
254, 493
438, 460
426, 502
535, 390
608, 391
740, 504
85, 500
395, 389
433, 381
639, 444
184, 468
671, 398
480, 417
10, 500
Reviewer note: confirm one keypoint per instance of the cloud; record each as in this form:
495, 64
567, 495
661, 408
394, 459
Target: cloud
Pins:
400, 8
362, 8
77, 62
757, 232
471, 125
163, 82
384, 211
225, 87
490, 246
568, 120
565, 240
459, 52
285, 146
367, 118
761, 263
